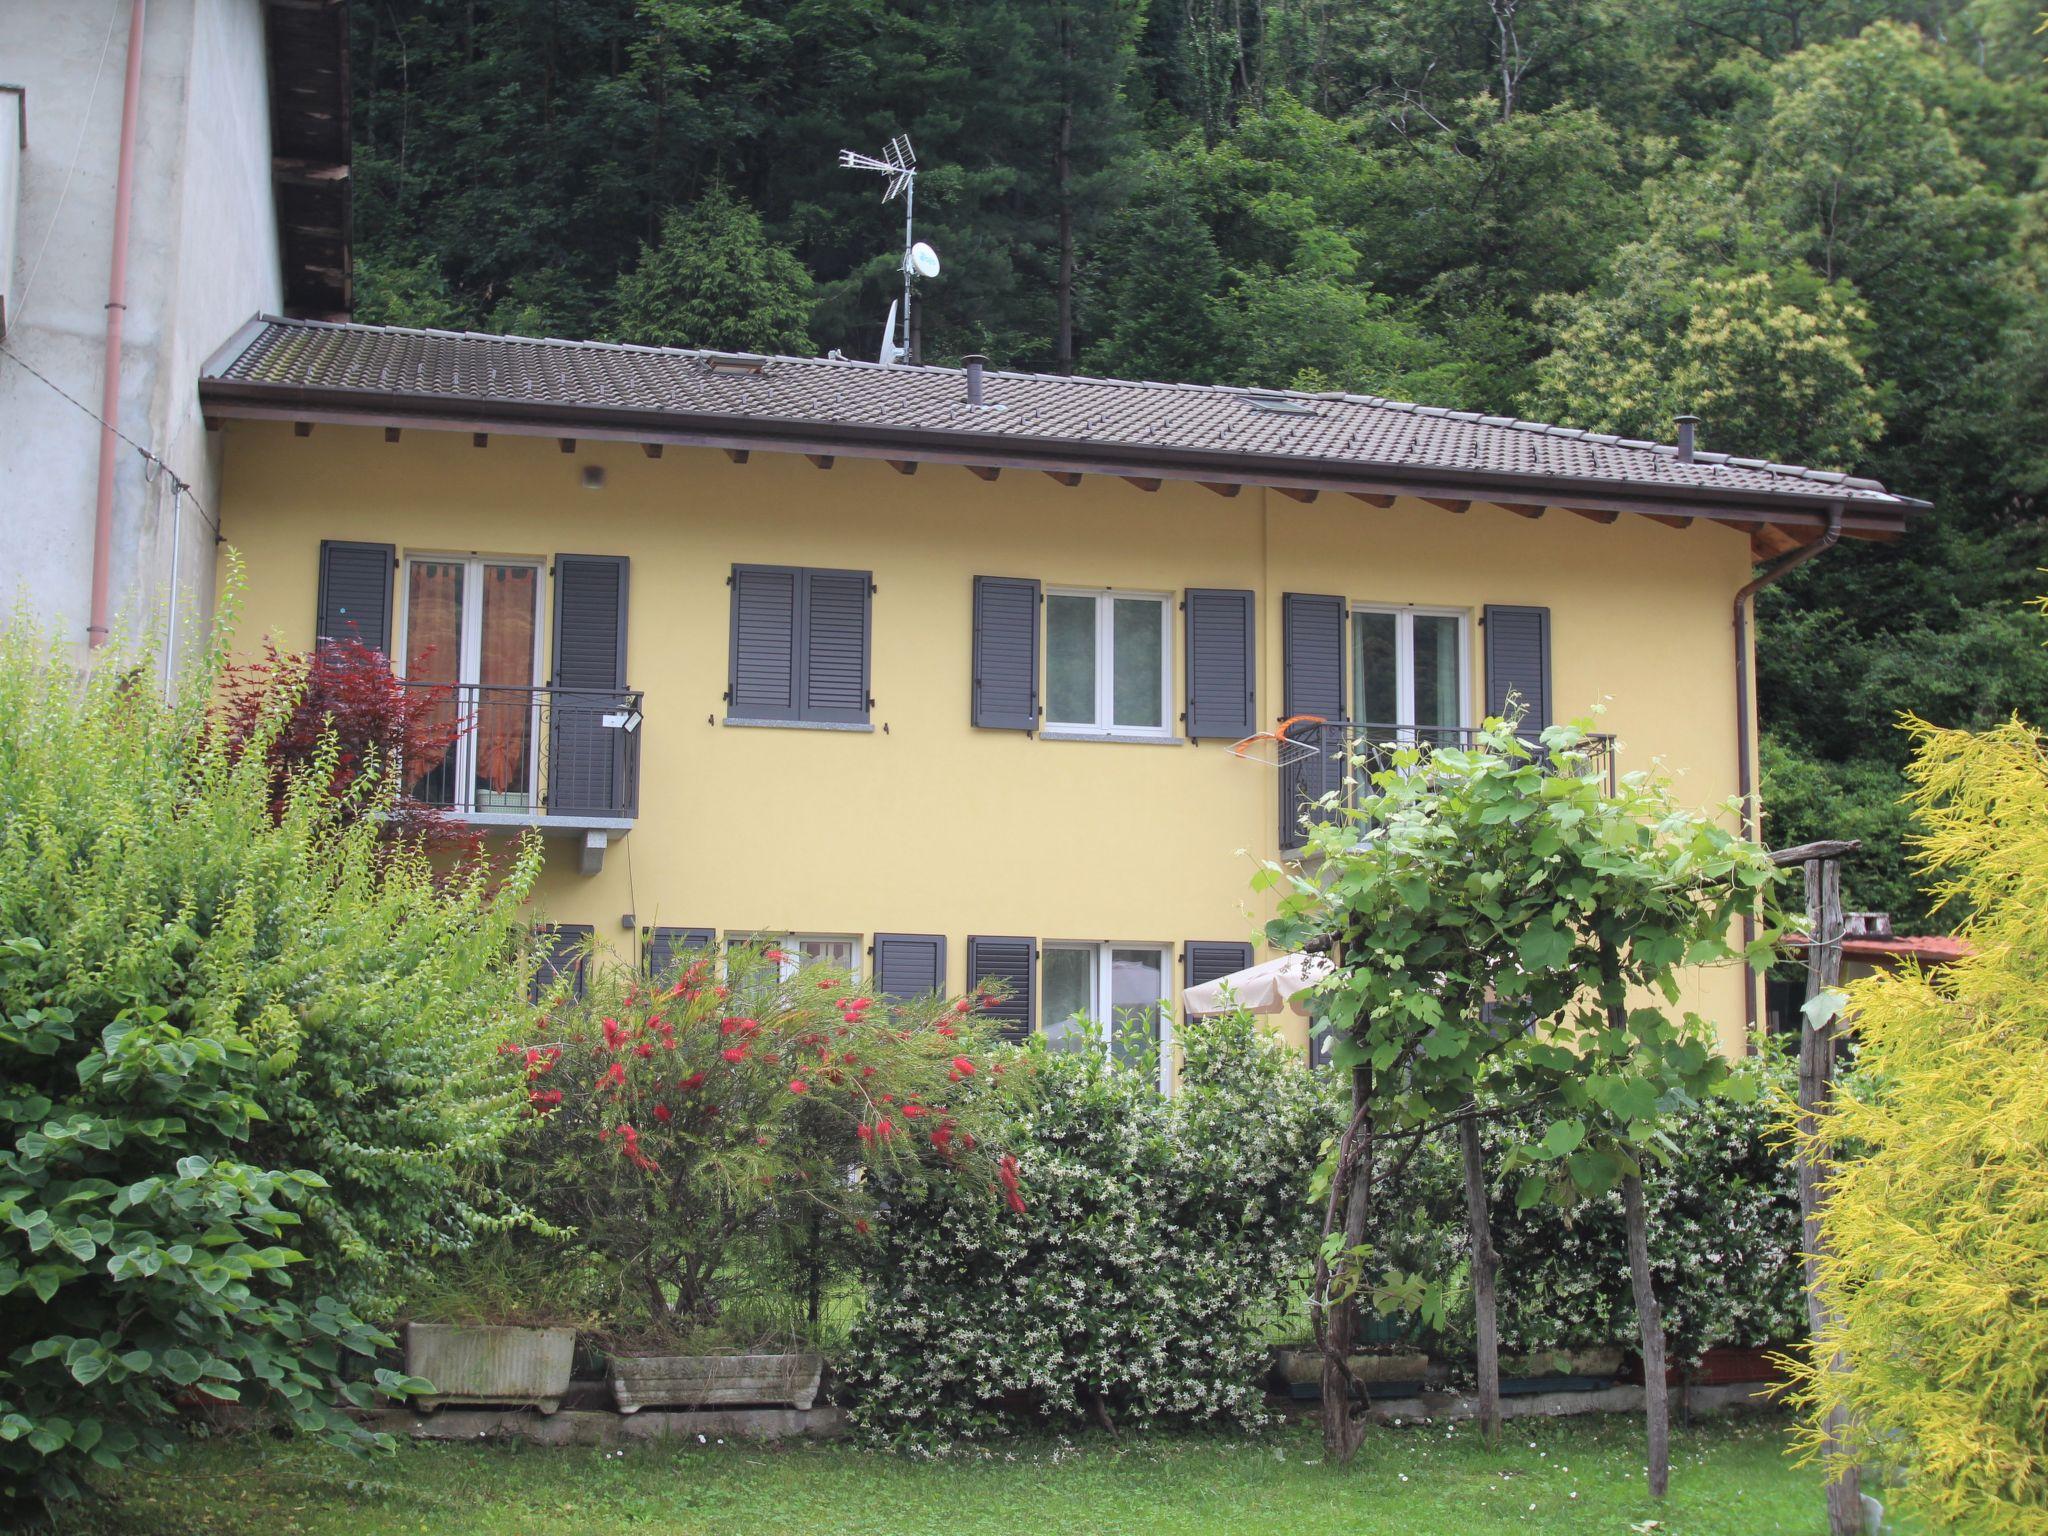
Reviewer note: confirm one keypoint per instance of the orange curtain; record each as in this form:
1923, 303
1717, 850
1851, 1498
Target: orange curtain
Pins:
433, 636
505, 668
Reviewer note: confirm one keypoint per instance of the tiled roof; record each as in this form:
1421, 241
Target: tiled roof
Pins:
1324, 433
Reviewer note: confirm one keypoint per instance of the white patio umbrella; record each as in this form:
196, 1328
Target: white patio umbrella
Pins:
1272, 986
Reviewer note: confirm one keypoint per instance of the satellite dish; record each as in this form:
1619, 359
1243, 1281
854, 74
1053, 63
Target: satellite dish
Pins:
891, 353
924, 260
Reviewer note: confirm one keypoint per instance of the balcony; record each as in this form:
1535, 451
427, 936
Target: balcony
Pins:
565, 761
1340, 757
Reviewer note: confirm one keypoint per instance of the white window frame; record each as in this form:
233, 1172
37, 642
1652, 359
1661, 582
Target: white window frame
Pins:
792, 958
1099, 1003
1405, 615
1105, 663
469, 664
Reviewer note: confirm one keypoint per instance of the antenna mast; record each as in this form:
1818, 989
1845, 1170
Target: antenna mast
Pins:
899, 163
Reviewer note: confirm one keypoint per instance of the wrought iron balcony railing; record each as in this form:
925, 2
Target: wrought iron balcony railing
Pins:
529, 754
1345, 755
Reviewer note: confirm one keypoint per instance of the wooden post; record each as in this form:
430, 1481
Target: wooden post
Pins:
1650, 1325
1342, 1430
1485, 1265
1822, 865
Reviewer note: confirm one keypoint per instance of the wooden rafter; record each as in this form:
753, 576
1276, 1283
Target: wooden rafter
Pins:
1065, 476
1220, 487
1296, 493
822, 460
739, 455
902, 466
1595, 514
1143, 482
1530, 509
984, 471
1373, 498
1447, 504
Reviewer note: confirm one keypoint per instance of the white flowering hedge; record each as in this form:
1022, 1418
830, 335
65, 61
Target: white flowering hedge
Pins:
1724, 1241
1160, 1238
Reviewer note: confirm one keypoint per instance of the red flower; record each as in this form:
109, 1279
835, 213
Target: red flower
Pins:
643, 1049
614, 1034
798, 1085
1006, 1170
694, 1080
885, 1128
734, 1053
861, 1226
614, 1076
864, 1132
963, 1066
912, 1111
663, 1113
948, 1031
774, 954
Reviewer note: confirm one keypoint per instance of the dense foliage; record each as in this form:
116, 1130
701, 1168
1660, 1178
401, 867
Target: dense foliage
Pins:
724, 1125
244, 1077
1813, 223
1935, 1234
1160, 1238
1723, 1225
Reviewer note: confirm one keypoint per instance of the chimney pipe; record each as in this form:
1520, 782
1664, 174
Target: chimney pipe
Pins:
1685, 425
974, 363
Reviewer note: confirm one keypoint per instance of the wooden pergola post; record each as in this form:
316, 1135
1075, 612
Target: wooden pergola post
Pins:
1821, 864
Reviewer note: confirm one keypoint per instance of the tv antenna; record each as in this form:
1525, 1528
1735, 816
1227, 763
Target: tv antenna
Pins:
899, 163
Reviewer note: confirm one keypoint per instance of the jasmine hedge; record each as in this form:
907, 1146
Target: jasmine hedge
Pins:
1161, 1239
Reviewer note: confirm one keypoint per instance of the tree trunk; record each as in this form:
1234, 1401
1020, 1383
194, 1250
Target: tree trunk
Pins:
1342, 1430
1816, 1079
1483, 1267
1650, 1319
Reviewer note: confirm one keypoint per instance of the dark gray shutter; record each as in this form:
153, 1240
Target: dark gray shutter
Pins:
909, 964
1222, 682
1009, 961
1312, 655
355, 593
762, 682
561, 949
666, 946
1005, 653
1205, 959
587, 758
833, 642
1518, 662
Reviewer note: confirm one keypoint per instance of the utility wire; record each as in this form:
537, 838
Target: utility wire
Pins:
178, 482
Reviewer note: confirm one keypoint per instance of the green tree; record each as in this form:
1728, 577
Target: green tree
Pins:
716, 281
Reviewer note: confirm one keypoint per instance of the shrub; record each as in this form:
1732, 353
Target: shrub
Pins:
1723, 1227
1163, 1236
1935, 1234
695, 1131
220, 1012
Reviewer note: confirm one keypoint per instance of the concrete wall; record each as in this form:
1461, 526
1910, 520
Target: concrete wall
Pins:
202, 257
928, 825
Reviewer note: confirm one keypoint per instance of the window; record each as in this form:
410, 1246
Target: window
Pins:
801, 952
472, 626
1121, 989
1409, 669
1106, 663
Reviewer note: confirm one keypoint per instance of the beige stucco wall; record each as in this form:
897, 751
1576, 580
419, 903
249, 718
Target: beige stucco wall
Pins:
926, 824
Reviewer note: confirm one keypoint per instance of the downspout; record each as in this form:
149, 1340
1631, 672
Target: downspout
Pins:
1745, 781
117, 308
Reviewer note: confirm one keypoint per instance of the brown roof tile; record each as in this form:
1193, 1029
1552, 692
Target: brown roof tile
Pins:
295, 360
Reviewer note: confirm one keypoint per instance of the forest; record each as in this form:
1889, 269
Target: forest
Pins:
1819, 225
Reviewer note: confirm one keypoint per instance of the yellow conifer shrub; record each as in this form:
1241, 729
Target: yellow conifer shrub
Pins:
1936, 1232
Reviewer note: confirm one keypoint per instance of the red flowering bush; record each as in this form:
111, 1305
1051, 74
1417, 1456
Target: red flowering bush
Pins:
693, 1128
341, 710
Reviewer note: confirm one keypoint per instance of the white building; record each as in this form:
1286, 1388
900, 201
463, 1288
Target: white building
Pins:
236, 113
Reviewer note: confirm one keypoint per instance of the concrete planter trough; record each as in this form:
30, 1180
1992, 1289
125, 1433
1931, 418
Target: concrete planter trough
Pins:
1560, 1370
1299, 1373
497, 1367
715, 1381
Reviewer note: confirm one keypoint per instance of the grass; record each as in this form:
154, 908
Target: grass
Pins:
1583, 1475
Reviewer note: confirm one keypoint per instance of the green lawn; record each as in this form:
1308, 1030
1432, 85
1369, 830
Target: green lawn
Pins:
1728, 1479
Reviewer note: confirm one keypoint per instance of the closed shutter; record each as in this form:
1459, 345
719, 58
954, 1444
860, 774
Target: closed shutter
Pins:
909, 964
667, 946
1008, 961
1312, 655
1005, 653
1203, 960
587, 758
1221, 678
1518, 663
561, 949
355, 593
834, 646
763, 679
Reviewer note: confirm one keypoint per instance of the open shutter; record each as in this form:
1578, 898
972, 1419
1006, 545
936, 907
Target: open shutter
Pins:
1311, 683
1008, 961
909, 964
1518, 663
833, 636
1005, 653
1205, 959
561, 949
762, 684
587, 758
1221, 679
666, 946
355, 593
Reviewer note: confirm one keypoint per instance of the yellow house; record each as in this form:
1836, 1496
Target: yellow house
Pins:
939, 670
